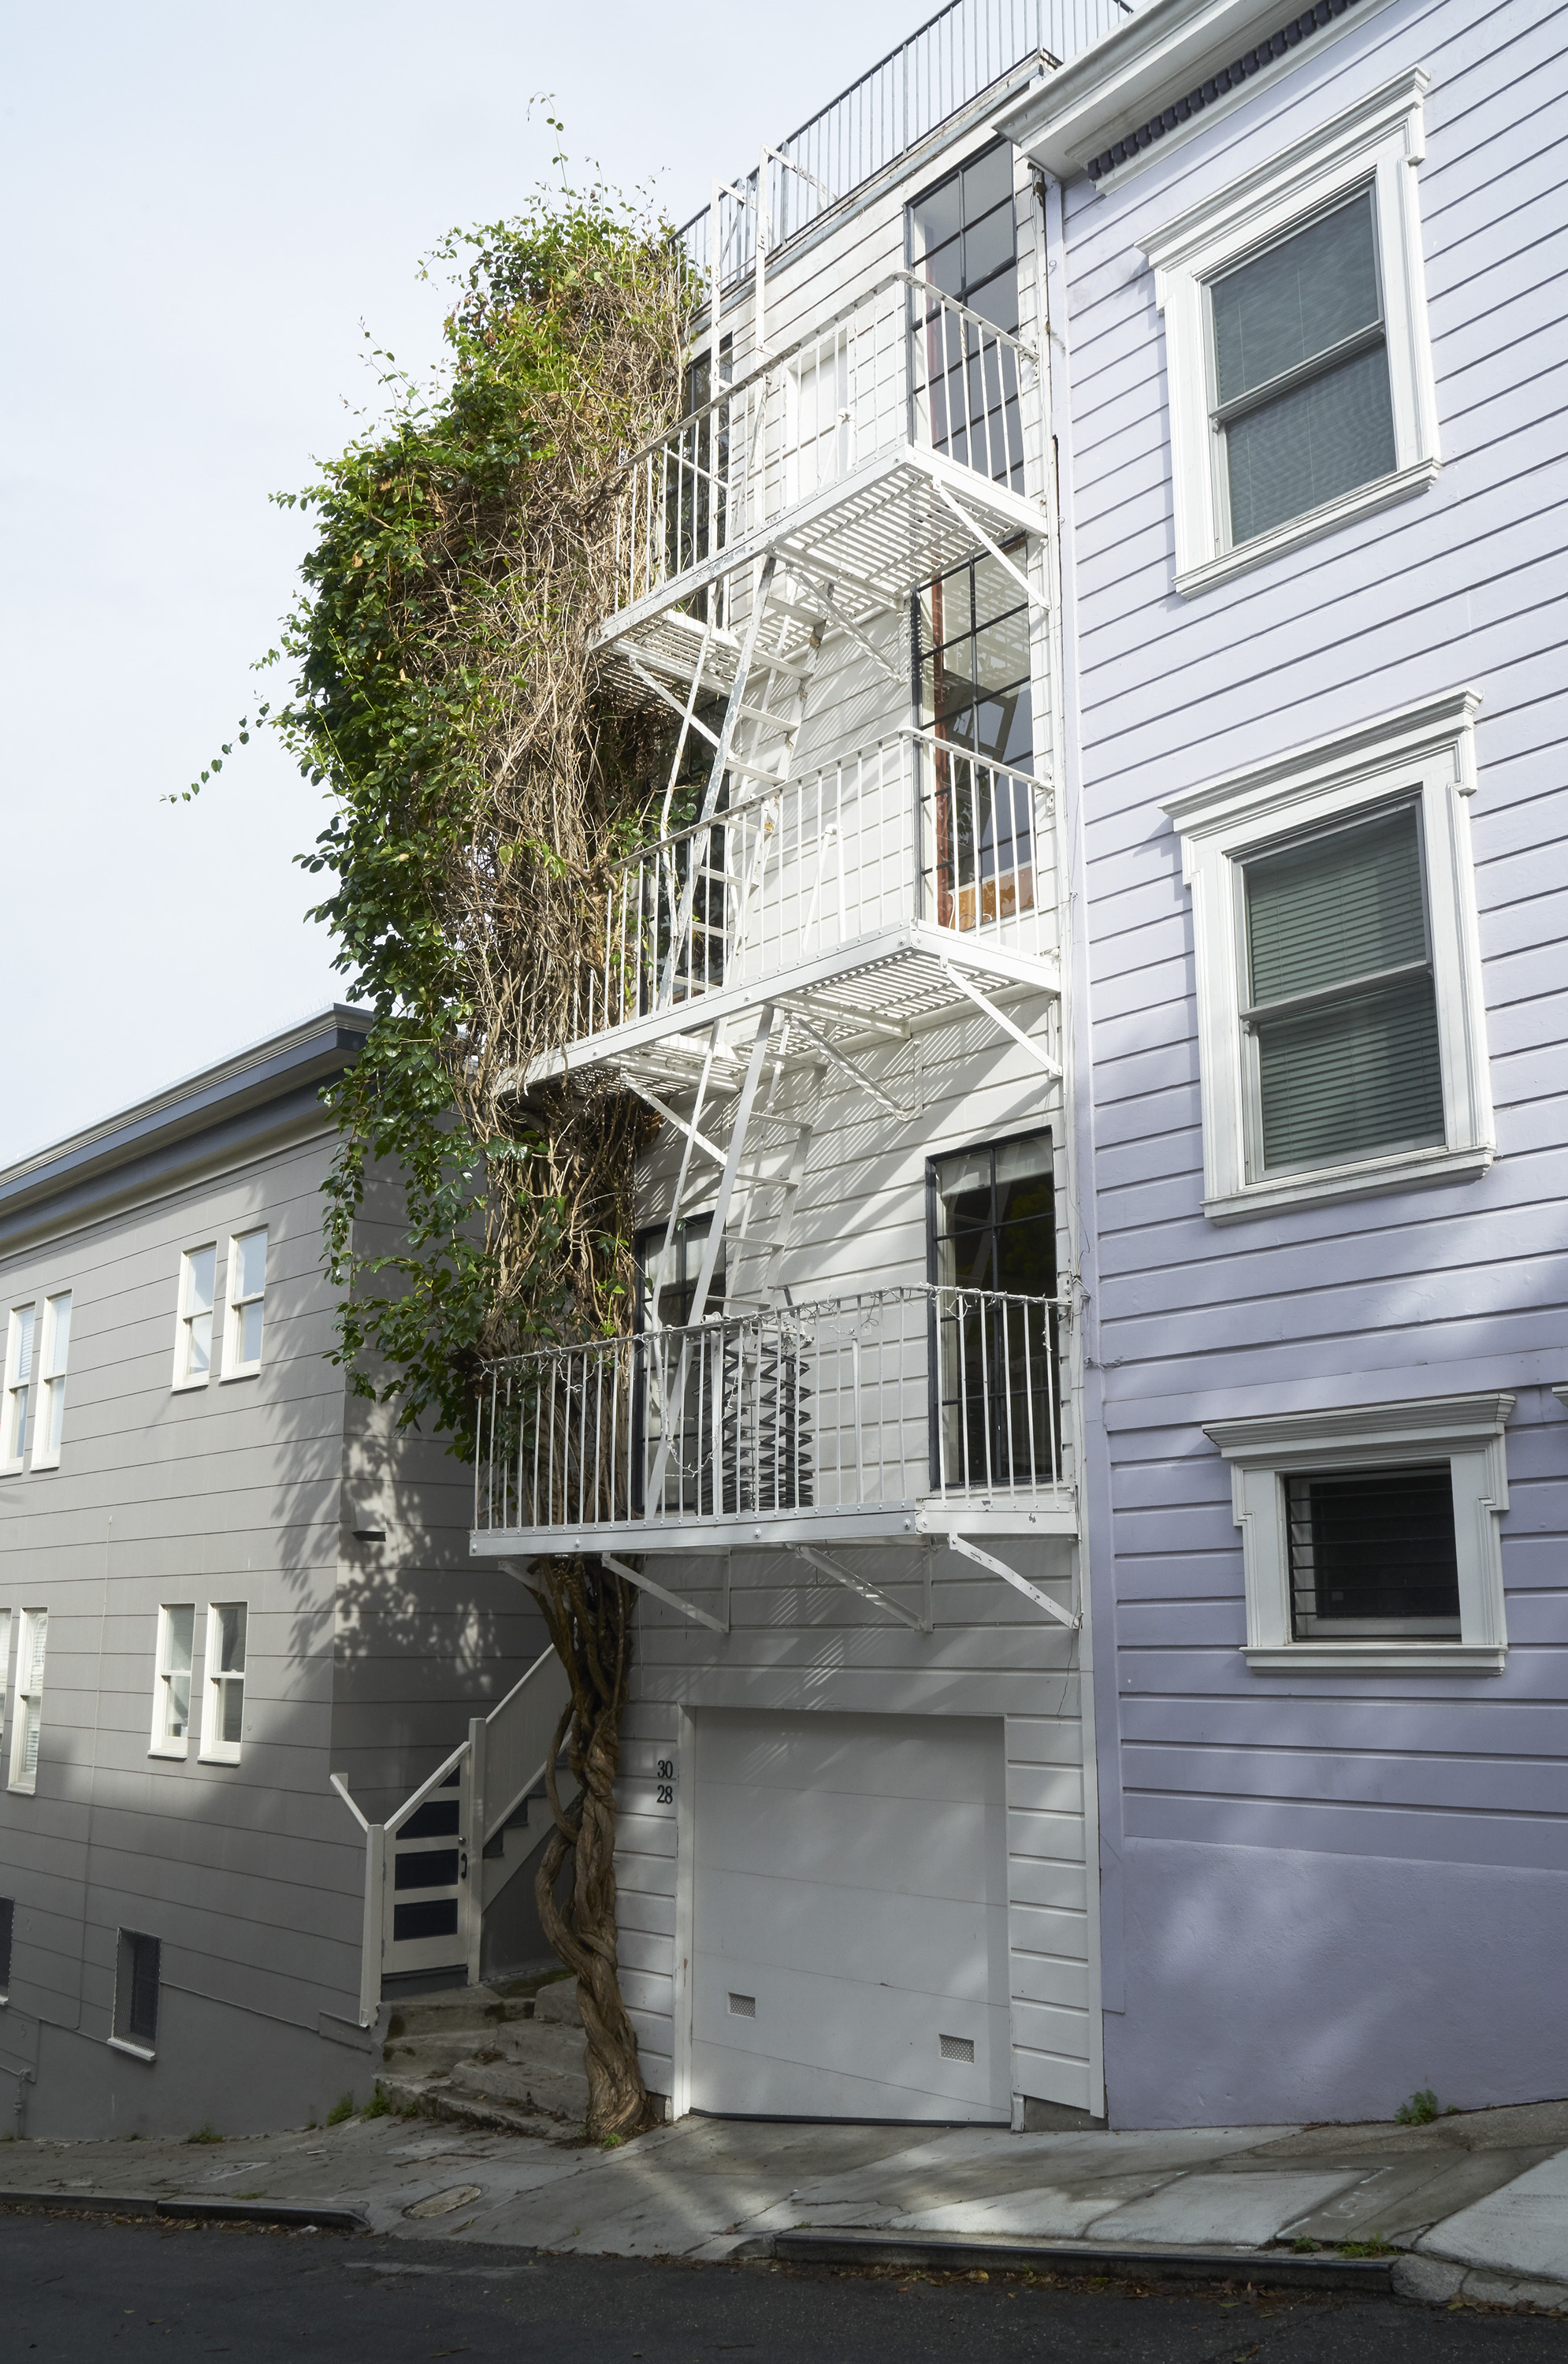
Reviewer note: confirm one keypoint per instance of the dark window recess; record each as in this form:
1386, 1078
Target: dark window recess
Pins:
7, 1922
433, 1920
961, 240
135, 1989
436, 1868
1373, 1552
992, 1230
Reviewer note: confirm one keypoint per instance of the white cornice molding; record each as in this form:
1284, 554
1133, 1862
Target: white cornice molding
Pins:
1156, 58
1413, 734
1446, 1423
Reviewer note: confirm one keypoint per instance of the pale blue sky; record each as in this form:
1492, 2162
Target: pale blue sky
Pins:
205, 206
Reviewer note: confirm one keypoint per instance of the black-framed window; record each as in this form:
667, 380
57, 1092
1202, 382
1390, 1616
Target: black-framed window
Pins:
972, 688
962, 239
138, 1976
991, 1228
677, 1284
1373, 1552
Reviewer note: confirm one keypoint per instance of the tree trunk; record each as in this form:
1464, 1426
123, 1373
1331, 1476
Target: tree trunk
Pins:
588, 1611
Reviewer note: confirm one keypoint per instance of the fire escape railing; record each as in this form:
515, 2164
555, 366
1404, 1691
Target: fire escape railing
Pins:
913, 829
903, 364
854, 1403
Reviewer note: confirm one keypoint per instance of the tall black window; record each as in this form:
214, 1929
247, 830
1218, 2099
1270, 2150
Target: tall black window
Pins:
7, 1922
961, 240
992, 1259
972, 655
135, 1989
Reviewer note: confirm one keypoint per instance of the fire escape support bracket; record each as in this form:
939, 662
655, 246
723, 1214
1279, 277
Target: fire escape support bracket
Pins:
831, 1051
975, 528
699, 1140
998, 1017
671, 1599
880, 1600
961, 1545
861, 640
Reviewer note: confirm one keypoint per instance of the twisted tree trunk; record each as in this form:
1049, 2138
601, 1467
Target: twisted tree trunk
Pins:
587, 1609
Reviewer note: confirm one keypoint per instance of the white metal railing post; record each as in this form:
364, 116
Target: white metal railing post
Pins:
374, 1931
471, 1860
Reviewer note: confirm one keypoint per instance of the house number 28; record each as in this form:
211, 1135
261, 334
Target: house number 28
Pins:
664, 1794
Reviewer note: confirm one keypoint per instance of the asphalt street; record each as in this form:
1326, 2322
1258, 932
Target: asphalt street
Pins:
75, 2292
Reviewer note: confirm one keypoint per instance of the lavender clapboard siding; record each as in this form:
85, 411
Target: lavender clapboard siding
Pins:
1323, 1891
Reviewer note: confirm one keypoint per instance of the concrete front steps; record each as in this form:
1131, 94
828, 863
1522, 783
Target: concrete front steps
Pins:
490, 2056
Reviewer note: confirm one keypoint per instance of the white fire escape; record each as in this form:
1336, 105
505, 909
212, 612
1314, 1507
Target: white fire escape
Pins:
798, 924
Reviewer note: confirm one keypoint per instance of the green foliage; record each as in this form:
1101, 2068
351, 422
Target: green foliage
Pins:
379, 2105
481, 777
1419, 2111
342, 2110
205, 2132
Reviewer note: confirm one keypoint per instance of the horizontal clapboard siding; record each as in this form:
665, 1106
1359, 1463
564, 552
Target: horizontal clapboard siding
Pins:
1457, 1286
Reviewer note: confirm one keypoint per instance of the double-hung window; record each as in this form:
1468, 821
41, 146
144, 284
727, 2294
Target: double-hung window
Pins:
49, 1424
193, 1337
247, 1293
1341, 1026
223, 1714
27, 1722
1297, 360
21, 1340
172, 1685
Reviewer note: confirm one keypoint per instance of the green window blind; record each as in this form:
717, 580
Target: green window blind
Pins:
1373, 1551
1342, 1007
1301, 371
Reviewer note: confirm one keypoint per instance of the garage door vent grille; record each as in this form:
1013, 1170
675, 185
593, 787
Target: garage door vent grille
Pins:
745, 2007
954, 2047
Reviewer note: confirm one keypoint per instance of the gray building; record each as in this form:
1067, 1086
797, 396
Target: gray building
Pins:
223, 1579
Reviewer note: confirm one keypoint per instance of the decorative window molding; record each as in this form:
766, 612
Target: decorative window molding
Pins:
171, 1681
50, 1418
1375, 146
247, 1288
192, 1328
1424, 759
1464, 1430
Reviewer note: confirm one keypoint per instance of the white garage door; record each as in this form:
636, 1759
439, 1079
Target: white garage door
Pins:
850, 1925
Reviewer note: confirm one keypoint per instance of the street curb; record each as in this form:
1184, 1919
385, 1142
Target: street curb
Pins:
949, 2252
216, 2212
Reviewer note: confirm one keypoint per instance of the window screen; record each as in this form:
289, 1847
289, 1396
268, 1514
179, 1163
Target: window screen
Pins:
1372, 1553
1341, 1008
1302, 403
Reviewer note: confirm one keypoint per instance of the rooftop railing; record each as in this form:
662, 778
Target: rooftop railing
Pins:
938, 69
903, 364
864, 1402
914, 830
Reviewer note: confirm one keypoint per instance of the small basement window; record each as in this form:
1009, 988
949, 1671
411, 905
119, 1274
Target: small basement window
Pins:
137, 1986
1372, 1552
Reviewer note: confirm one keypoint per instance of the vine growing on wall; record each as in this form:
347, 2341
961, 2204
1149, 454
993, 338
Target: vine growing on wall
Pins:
484, 775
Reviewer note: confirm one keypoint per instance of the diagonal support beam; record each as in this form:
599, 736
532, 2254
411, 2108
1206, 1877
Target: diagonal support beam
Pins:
825, 593
880, 1600
831, 1051
1000, 1017
671, 1599
961, 1545
699, 1140
974, 527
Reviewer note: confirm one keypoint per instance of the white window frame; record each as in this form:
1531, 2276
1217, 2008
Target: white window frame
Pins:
11, 1461
1465, 1431
29, 1693
233, 1367
1425, 755
1378, 145
215, 1750
163, 1743
50, 1369
183, 1376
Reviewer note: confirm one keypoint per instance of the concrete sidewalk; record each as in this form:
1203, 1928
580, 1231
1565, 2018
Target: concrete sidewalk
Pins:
1476, 2206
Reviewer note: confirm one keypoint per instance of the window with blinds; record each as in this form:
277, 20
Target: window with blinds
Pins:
1340, 1009
1372, 1552
1302, 409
